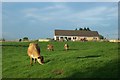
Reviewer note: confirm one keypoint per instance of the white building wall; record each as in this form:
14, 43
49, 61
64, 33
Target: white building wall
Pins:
78, 38
54, 37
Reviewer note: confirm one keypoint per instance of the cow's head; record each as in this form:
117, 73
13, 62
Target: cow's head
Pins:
40, 60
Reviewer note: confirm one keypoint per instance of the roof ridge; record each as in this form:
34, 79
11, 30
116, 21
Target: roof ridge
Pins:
71, 30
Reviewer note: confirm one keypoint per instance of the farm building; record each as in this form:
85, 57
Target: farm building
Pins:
76, 35
114, 40
43, 40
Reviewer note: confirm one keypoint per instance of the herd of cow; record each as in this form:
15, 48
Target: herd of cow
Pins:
34, 52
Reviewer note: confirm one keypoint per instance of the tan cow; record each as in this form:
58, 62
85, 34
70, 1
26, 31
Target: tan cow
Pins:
34, 53
66, 47
50, 47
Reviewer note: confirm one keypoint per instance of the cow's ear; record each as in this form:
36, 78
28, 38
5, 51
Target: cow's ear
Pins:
36, 43
30, 44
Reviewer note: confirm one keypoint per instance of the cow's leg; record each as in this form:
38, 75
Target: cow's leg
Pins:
52, 49
31, 59
66, 49
34, 60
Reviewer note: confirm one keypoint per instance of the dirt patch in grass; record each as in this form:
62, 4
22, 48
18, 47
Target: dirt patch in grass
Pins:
57, 72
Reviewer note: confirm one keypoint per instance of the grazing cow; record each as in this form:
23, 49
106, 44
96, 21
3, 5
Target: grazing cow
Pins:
34, 53
50, 47
66, 47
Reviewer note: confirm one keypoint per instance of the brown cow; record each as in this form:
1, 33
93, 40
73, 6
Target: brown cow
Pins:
50, 47
34, 53
66, 47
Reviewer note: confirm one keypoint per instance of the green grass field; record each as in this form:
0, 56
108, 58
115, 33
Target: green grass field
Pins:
83, 60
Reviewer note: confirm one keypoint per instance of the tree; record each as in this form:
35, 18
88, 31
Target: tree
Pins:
76, 29
80, 29
25, 39
20, 40
88, 29
3, 39
85, 29
101, 37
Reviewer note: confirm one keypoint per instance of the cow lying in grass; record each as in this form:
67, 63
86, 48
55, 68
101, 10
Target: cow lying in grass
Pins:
66, 47
50, 47
34, 53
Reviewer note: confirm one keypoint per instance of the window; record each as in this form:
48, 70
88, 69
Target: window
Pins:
94, 38
61, 37
57, 38
74, 37
65, 37
69, 38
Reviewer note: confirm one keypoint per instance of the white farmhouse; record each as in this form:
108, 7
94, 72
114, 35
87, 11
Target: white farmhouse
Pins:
75, 35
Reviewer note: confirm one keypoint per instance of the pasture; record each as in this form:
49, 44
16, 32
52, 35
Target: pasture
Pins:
82, 60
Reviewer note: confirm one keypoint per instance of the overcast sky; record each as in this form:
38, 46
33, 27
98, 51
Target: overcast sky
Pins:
39, 20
